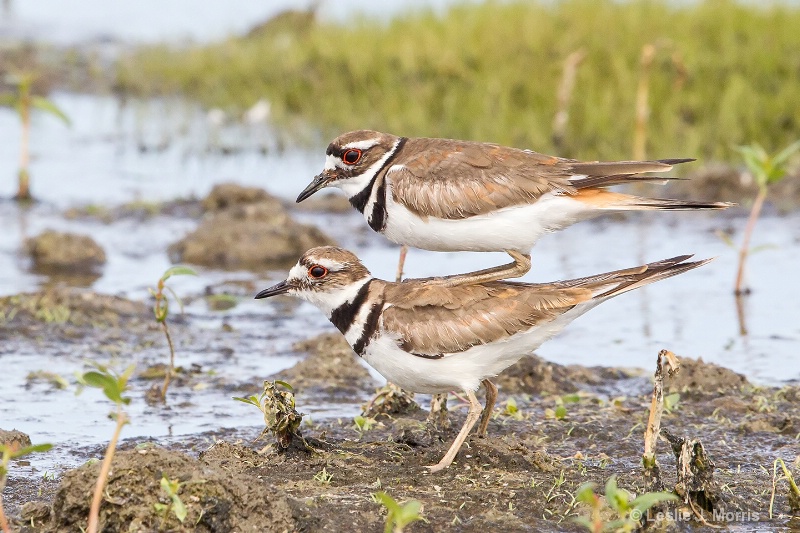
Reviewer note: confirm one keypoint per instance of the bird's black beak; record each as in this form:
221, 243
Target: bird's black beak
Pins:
320, 182
280, 288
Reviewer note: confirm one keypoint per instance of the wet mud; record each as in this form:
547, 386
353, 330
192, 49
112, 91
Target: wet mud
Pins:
521, 477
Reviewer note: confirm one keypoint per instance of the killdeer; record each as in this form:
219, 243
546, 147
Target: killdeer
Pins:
430, 338
448, 195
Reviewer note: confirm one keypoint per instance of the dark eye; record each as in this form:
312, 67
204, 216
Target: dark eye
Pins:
317, 272
352, 156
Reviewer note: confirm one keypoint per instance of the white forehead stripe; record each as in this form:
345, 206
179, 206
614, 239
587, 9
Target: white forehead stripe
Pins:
332, 162
362, 145
330, 264
298, 271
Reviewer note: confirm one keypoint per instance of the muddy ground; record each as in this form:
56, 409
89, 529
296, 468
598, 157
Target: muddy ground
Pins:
522, 477
554, 428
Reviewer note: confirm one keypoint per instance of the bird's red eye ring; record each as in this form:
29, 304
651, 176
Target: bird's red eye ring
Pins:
317, 272
352, 156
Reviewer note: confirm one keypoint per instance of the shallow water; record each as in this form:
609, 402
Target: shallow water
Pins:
108, 158
136, 21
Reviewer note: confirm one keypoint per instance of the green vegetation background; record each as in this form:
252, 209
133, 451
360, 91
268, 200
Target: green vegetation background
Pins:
725, 73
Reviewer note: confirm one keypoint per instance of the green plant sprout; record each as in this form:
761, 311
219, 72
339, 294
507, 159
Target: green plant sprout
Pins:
280, 416
560, 411
362, 424
512, 410
794, 491
9, 452
398, 515
171, 487
766, 170
629, 512
24, 102
113, 386
161, 312
323, 477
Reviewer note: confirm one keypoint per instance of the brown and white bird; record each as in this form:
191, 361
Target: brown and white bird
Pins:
448, 195
430, 338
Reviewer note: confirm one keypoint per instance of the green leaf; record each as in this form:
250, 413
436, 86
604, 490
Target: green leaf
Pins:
98, 380
252, 400
617, 499
387, 501
408, 514
43, 104
783, 156
178, 270
284, 385
571, 398
586, 493
647, 500
671, 401
179, 508
561, 412
32, 449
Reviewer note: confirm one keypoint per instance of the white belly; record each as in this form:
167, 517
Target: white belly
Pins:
463, 370
512, 228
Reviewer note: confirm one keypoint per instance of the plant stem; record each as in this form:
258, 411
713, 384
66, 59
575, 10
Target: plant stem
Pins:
23, 181
653, 429
94, 511
168, 375
3, 520
564, 94
748, 231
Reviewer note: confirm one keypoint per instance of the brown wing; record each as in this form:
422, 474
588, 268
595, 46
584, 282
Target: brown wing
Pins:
435, 321
459, 179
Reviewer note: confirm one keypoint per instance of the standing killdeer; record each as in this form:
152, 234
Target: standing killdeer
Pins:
447, 195
431, 338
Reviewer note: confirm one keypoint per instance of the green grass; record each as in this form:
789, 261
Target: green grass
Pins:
491, 72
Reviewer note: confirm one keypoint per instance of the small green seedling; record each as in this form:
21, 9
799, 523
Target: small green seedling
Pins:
512, 410
9, 452
560, 410
24, 102
629, 511
114, 386
161, 312
171, 487
671, 402
766, 170
794, 490
280, 416
362, 424
323, 477
398, 515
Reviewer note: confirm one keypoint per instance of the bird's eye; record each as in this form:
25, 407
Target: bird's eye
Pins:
352, 156
317, 272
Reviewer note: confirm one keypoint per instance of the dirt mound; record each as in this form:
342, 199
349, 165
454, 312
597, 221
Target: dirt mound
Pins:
54, 251
534, 375
228, 195
66, 305
331, 366
14, 438
246, 228
216, 499
701, 378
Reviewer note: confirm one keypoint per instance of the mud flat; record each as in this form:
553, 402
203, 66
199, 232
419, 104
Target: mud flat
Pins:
522, 477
